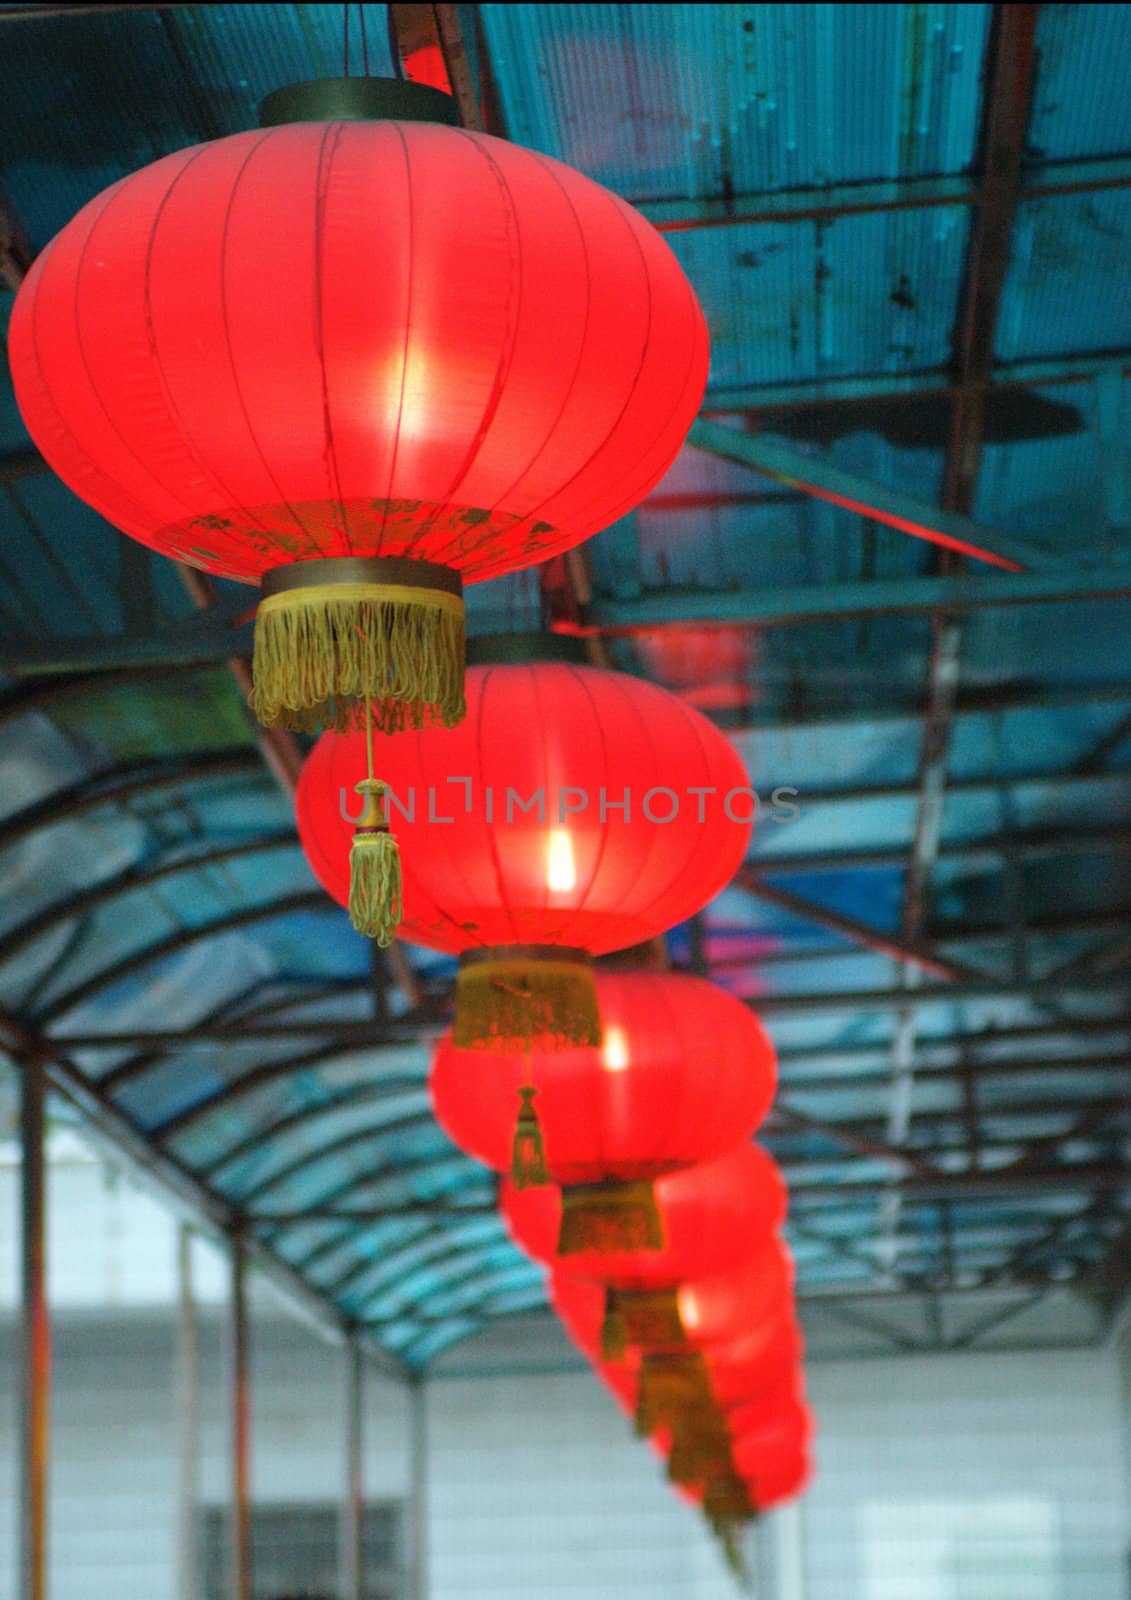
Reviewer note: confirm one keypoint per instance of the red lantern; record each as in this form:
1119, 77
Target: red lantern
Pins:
697, 1315
713, 1218
683, 1074
574, 812
361, 362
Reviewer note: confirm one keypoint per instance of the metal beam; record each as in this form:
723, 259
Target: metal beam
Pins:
187, 1412
917, 955
125, 783
246, 916
351, 1563
372, 1134
815, 476
239, 1413
180, 1185
418, 1490
808, 392
138, 876
848, 1001
268, 1131
1010, 75
794, 606
15, 247
825, 204
35, 1331
201, 641
436, 1160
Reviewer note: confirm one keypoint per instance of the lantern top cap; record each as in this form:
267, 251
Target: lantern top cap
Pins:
357, 100
523, 647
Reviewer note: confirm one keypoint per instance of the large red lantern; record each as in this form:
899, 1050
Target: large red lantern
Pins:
360, 362
574, 812
713, 1218
693, 1315
683, 1074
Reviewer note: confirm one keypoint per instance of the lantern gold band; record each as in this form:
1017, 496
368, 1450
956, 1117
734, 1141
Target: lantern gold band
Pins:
318, 595
518, 997
336, 572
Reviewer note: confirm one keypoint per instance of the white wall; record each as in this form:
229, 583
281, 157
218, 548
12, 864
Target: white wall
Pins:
972, 1477
975, 1477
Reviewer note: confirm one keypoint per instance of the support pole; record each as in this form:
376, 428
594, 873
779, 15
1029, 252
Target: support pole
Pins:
35, 1353
352, 1549
188, 1433
418, 1491
240, 1423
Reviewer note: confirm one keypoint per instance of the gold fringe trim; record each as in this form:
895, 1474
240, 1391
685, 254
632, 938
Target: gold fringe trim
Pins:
375, 869
614, 1334
609, 1217
698, 1456
514, 1003
651, 1318
528, 1153
321, 651
727, 1499
672, 1390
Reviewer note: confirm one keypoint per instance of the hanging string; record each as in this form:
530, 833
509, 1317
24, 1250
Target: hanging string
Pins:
364, 41
345, 40
369, 735
394, 47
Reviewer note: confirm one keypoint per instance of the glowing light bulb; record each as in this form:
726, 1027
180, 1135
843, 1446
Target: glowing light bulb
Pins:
561, 874
615, 1049
689, 1312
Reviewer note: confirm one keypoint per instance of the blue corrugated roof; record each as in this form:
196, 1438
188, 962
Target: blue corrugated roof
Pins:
685, 103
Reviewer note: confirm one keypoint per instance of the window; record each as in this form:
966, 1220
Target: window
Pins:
996, 1549
295, 1552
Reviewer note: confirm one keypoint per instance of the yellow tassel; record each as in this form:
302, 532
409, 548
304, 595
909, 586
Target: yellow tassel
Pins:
323, 649
528, 1154
515, 1002
614, 1340
375, 869
609, 1217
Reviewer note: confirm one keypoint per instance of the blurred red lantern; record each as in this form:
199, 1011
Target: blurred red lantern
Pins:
683, 1074
283, 354
573, 813
784, 1429
713, 1217
748, 1370
784, 1477
693, 1315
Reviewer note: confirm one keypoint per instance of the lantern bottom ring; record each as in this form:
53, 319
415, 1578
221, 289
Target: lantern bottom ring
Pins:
513, 997
346, 639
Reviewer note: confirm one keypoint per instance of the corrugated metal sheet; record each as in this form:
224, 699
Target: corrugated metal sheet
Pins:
870, 293
1068, 287
659, 101
693, 101
1081, 107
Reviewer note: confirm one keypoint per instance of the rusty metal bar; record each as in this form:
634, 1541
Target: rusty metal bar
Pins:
239, 1400
35, 1332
